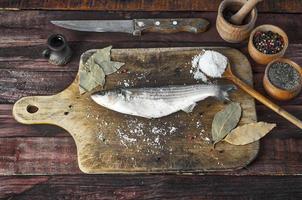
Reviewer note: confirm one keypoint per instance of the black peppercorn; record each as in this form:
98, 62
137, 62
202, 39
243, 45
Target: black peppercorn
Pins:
268, 42
283, 76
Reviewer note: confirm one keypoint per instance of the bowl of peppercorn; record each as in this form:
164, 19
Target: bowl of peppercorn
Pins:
283, 79
266, 43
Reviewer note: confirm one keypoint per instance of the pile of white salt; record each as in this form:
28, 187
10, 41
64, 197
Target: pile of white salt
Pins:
208, 63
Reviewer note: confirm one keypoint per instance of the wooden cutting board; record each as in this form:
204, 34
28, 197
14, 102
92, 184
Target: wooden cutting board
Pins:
110, 142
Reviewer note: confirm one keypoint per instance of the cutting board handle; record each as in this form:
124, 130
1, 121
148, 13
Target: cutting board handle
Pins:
35, 110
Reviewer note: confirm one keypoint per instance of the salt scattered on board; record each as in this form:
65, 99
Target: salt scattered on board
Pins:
139, 131
208, 63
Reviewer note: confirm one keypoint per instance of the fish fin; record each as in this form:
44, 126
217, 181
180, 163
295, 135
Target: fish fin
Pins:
223, 92
189, 108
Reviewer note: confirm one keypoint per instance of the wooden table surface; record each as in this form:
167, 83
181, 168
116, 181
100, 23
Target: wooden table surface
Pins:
39, 162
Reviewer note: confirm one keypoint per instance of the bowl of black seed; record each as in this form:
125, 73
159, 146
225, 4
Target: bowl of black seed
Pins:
266, 43
283, 79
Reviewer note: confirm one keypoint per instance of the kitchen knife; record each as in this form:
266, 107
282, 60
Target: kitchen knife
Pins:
137, 26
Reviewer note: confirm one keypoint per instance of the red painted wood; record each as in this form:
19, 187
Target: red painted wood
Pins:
20, 30
280, 152
38, 155
45, 149
150, 187
151, 5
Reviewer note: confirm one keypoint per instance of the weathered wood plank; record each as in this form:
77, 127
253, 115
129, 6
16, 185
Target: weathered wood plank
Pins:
22, 39
150, 187
15, 83
11, 186
88, 122
280, 151
154, 5
25, 80
17, 28
29, 57
9, 127
38, 155
41, 78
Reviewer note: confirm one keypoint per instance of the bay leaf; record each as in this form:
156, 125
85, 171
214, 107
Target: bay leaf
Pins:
110, 67
102, 58
91, 78
225, 120
249, 133
92, 73
102, 54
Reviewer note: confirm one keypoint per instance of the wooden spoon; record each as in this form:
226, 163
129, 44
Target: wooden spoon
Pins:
243, 12
230, 76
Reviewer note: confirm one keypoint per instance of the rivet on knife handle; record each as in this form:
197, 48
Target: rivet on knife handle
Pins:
192, 25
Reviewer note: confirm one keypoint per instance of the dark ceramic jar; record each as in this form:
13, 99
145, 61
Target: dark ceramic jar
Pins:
58, 51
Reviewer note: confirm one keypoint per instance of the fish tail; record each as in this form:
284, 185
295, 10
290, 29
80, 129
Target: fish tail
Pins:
223, 91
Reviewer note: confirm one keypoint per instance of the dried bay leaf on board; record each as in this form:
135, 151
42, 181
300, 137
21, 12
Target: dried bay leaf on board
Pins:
110, 67
249, 133
225, 120
102, 58
102, 54
91, 78
92, 73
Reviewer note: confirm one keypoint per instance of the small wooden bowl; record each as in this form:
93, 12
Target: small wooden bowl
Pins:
230, 32
277, 93
263, 58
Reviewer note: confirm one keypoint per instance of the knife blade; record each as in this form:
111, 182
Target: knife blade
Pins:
137, 26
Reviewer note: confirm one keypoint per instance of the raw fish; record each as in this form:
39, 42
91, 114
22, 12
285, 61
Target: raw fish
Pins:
155, 102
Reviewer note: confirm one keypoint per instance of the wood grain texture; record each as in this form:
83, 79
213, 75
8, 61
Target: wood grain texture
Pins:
21, 78
23, 37
102, 136
280, 154
10, 128
38, 155
20, 54
41, 28
293, 6
150, 187
27, 29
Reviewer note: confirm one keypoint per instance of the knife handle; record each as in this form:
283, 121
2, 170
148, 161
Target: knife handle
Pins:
191, 25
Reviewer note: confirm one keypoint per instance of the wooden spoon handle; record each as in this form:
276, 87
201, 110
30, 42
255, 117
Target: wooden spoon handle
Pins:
266, 101
243, 12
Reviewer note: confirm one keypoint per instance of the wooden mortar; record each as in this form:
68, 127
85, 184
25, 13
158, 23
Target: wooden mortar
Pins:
230, 32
